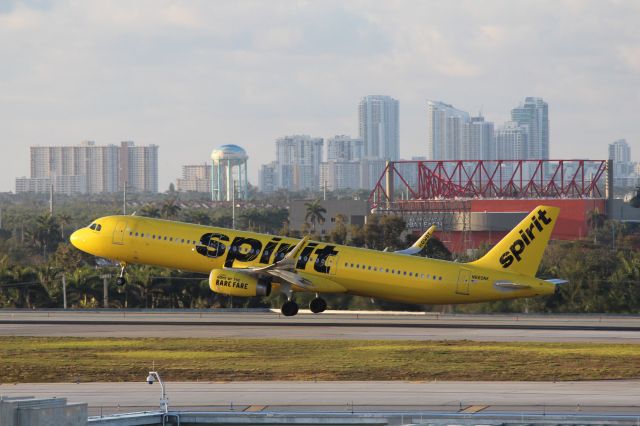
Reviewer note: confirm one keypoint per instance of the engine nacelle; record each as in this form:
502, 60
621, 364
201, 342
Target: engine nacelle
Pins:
238, 284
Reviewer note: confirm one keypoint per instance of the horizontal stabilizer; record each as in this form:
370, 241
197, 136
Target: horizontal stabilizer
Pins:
511, 285
557, 281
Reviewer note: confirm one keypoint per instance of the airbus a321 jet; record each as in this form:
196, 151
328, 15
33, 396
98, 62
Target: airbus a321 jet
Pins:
250, 264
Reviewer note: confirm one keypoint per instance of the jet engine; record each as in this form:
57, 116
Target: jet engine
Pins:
238, 284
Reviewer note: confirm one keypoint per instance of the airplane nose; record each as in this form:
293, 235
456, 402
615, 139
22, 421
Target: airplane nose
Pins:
76, 239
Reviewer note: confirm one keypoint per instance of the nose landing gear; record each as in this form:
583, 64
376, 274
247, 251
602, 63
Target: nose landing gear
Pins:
121, 280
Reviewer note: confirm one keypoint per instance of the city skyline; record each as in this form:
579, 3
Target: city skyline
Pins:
192, 76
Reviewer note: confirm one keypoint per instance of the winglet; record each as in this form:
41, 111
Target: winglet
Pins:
420, 243
297, 249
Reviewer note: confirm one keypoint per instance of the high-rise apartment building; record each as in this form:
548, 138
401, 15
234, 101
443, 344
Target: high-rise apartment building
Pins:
380, 127
623, 168
478, 142
337, 175
93, 169
195, 178
139, 164
534, 113
512, 144
298, 158
512, 141
342, 169
268, 178
446, 130
344, 148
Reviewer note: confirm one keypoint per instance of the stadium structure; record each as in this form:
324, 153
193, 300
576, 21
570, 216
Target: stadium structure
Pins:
476, 202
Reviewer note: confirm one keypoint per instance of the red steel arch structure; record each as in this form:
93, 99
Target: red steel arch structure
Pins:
495, 179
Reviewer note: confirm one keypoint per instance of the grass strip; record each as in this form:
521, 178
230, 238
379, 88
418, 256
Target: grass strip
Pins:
37, 359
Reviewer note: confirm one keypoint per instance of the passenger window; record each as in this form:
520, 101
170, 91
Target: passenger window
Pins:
142, 235
387, 270
182, 241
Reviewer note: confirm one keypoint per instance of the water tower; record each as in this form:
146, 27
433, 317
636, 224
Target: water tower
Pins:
229, 172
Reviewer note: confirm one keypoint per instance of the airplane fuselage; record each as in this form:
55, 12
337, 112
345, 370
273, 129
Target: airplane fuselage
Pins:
334, 268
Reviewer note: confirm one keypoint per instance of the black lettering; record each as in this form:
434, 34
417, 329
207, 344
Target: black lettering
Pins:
304, 256
268, 251
506, 259
212, 245
542, 215
535, 222
529, 232
236, 254
323, 254
517, 248
524, 237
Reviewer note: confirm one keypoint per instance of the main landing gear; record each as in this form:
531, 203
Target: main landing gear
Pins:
290, 308
121, 280
317, 305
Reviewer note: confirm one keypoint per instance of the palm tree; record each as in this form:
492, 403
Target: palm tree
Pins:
595, 219
45, 234
63, 219
150, 210
170, 209
314, 214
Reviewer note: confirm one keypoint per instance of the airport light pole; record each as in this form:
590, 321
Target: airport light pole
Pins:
105, 289
164, 401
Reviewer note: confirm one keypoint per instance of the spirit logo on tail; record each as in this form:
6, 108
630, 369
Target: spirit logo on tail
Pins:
527, 236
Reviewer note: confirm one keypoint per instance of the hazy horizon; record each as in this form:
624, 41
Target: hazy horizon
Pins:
191, 76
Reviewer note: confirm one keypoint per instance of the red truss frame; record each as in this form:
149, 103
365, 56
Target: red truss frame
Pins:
493, 179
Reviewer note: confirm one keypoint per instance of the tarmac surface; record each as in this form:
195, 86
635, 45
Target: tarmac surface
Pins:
329, 325
608, 397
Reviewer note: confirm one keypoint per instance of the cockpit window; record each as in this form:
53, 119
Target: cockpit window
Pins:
95, 227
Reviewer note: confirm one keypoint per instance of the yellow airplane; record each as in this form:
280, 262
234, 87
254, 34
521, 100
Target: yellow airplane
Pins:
250, 264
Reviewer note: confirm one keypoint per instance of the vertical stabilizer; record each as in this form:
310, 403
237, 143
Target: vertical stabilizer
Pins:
521, 250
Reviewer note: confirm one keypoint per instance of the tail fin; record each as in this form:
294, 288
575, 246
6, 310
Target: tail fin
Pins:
521, 250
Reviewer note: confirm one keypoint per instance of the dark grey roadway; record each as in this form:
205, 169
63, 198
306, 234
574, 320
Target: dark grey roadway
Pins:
330, 325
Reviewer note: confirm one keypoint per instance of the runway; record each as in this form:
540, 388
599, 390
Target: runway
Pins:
329, 325
613, 397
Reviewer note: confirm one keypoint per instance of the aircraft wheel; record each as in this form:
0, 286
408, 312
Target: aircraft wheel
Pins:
121, 281
317, 305
289, 309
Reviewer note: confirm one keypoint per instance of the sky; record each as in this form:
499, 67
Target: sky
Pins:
190, 76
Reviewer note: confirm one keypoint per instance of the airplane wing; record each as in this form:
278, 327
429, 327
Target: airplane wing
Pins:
420, 243
285, 269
